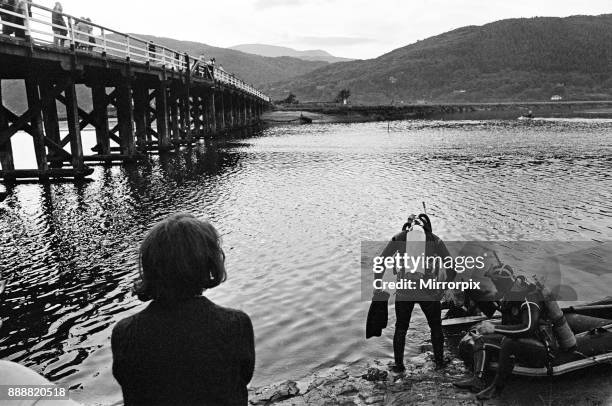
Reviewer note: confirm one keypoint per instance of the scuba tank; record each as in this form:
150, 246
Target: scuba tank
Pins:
562, 331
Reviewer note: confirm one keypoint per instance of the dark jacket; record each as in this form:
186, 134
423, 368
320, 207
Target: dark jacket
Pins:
192, 353
58, 19
521, 313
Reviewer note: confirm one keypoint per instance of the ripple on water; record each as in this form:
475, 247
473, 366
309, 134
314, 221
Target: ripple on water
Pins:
293, 205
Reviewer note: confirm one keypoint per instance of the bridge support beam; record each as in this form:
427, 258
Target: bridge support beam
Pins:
232, 110
74, 129
156, 109
245, 119
191, 117
238, 111
161, 111
227, 110
37, 132
173, 107
51, 121
100, 113
221, 126
125, 118
6, 150
41, 95
203, 115
212, 113
141, 114
198, 120
186, 135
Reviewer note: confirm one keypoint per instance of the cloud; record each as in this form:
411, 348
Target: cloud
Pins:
264, 4
334, 41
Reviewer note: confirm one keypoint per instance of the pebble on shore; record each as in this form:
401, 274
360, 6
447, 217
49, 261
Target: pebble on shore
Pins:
421, 384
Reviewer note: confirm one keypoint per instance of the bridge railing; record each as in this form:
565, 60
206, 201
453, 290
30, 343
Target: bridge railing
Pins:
45, 27
38, 25
230, 79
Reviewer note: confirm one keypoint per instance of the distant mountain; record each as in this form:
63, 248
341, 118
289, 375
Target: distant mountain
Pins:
276, 51
516, 59
254, 69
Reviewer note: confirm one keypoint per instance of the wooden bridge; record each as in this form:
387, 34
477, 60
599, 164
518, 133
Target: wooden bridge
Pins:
141, 97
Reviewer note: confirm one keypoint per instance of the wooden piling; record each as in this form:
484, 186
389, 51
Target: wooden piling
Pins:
141, 104
185, 119
230, 111
204, 115
161, 111
74, 129
238, 107
222, 108
212, 112
37, 132
245, 120
51, 120
196, 116
100, 113
174, 116
6, 149
125, 117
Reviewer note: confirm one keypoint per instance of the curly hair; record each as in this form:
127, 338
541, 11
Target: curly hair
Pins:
180, 258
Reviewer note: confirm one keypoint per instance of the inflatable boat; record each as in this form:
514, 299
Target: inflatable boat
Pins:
591, 324
601, 310
596, 349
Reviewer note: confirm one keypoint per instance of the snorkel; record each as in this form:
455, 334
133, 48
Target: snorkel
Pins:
420, 220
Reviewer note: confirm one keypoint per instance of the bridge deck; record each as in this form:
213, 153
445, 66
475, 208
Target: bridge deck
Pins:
162, 98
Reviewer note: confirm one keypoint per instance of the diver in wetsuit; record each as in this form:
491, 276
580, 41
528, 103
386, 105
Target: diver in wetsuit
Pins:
405, 301
519, 336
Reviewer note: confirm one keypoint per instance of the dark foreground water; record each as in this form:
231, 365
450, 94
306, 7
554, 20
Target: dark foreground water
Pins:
293, 205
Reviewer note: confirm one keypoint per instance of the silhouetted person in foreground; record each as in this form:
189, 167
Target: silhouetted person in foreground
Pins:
183, 349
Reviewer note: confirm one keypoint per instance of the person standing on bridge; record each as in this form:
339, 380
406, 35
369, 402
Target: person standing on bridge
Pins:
82, 34
19, 7
59, 25
8, 5
90, 37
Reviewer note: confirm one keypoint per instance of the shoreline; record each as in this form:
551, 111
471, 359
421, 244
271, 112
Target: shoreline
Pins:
422, 385
322, 113
372, 384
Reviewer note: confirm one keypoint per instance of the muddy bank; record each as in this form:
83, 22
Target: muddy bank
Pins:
285, 117
324, 113
374, 384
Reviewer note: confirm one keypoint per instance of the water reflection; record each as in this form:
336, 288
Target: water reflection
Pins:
293, 205
68, 250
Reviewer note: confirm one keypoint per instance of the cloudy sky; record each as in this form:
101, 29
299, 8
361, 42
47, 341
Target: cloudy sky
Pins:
349, 28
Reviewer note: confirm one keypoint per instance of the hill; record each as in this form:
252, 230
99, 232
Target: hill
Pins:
255, 69
276, 51
515, 59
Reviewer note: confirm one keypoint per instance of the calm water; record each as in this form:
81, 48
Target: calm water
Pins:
293, 205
